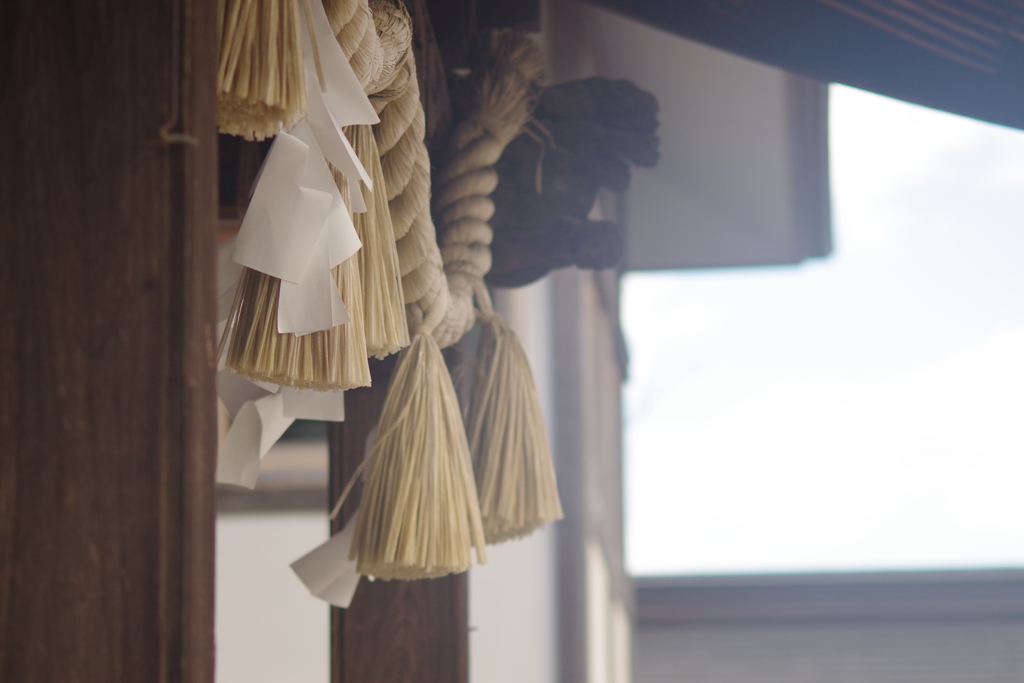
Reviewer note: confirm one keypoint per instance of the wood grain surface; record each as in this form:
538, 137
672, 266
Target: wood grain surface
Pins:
107, 420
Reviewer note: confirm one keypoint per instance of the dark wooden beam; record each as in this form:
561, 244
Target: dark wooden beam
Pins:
455, 22
874, 596
960, 56
108, 199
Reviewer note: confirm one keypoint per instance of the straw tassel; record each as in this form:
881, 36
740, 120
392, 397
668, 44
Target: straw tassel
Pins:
383, 302
355, 370
330, 360
511, 455
419, 516
260, 73
351, 349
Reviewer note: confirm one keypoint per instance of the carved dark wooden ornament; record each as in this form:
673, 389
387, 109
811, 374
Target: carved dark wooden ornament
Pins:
584, 135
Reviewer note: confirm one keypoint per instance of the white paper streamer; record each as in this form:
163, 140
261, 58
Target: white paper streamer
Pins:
284, 220
341, 103
256, 428
326, 570
314, 405
280, 244
342, 239
235, 391
315, 303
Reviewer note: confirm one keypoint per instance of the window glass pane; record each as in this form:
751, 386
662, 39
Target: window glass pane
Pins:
865, 411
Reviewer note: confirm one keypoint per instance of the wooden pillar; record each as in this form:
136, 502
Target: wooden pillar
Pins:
394, 631
107, 420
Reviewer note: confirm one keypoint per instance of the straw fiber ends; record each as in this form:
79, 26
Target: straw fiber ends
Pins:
511, 455
419, 516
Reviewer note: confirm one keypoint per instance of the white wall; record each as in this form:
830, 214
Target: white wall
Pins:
269, 629
512, 599
512, 613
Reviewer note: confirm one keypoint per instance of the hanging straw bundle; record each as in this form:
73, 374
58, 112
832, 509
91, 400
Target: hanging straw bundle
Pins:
260, 74
419, 516
383, 304
330, 360
511, 456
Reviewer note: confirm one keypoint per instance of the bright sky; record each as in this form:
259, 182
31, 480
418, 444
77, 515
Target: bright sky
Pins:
865, 411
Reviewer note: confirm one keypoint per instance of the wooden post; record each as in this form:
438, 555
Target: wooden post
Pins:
394, 631
107, 420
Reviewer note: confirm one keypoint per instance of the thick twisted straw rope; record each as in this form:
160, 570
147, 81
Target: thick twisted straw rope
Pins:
410, 527
439, 284
506, 93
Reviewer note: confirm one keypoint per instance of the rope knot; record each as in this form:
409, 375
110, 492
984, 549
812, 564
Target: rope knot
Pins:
487, 317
